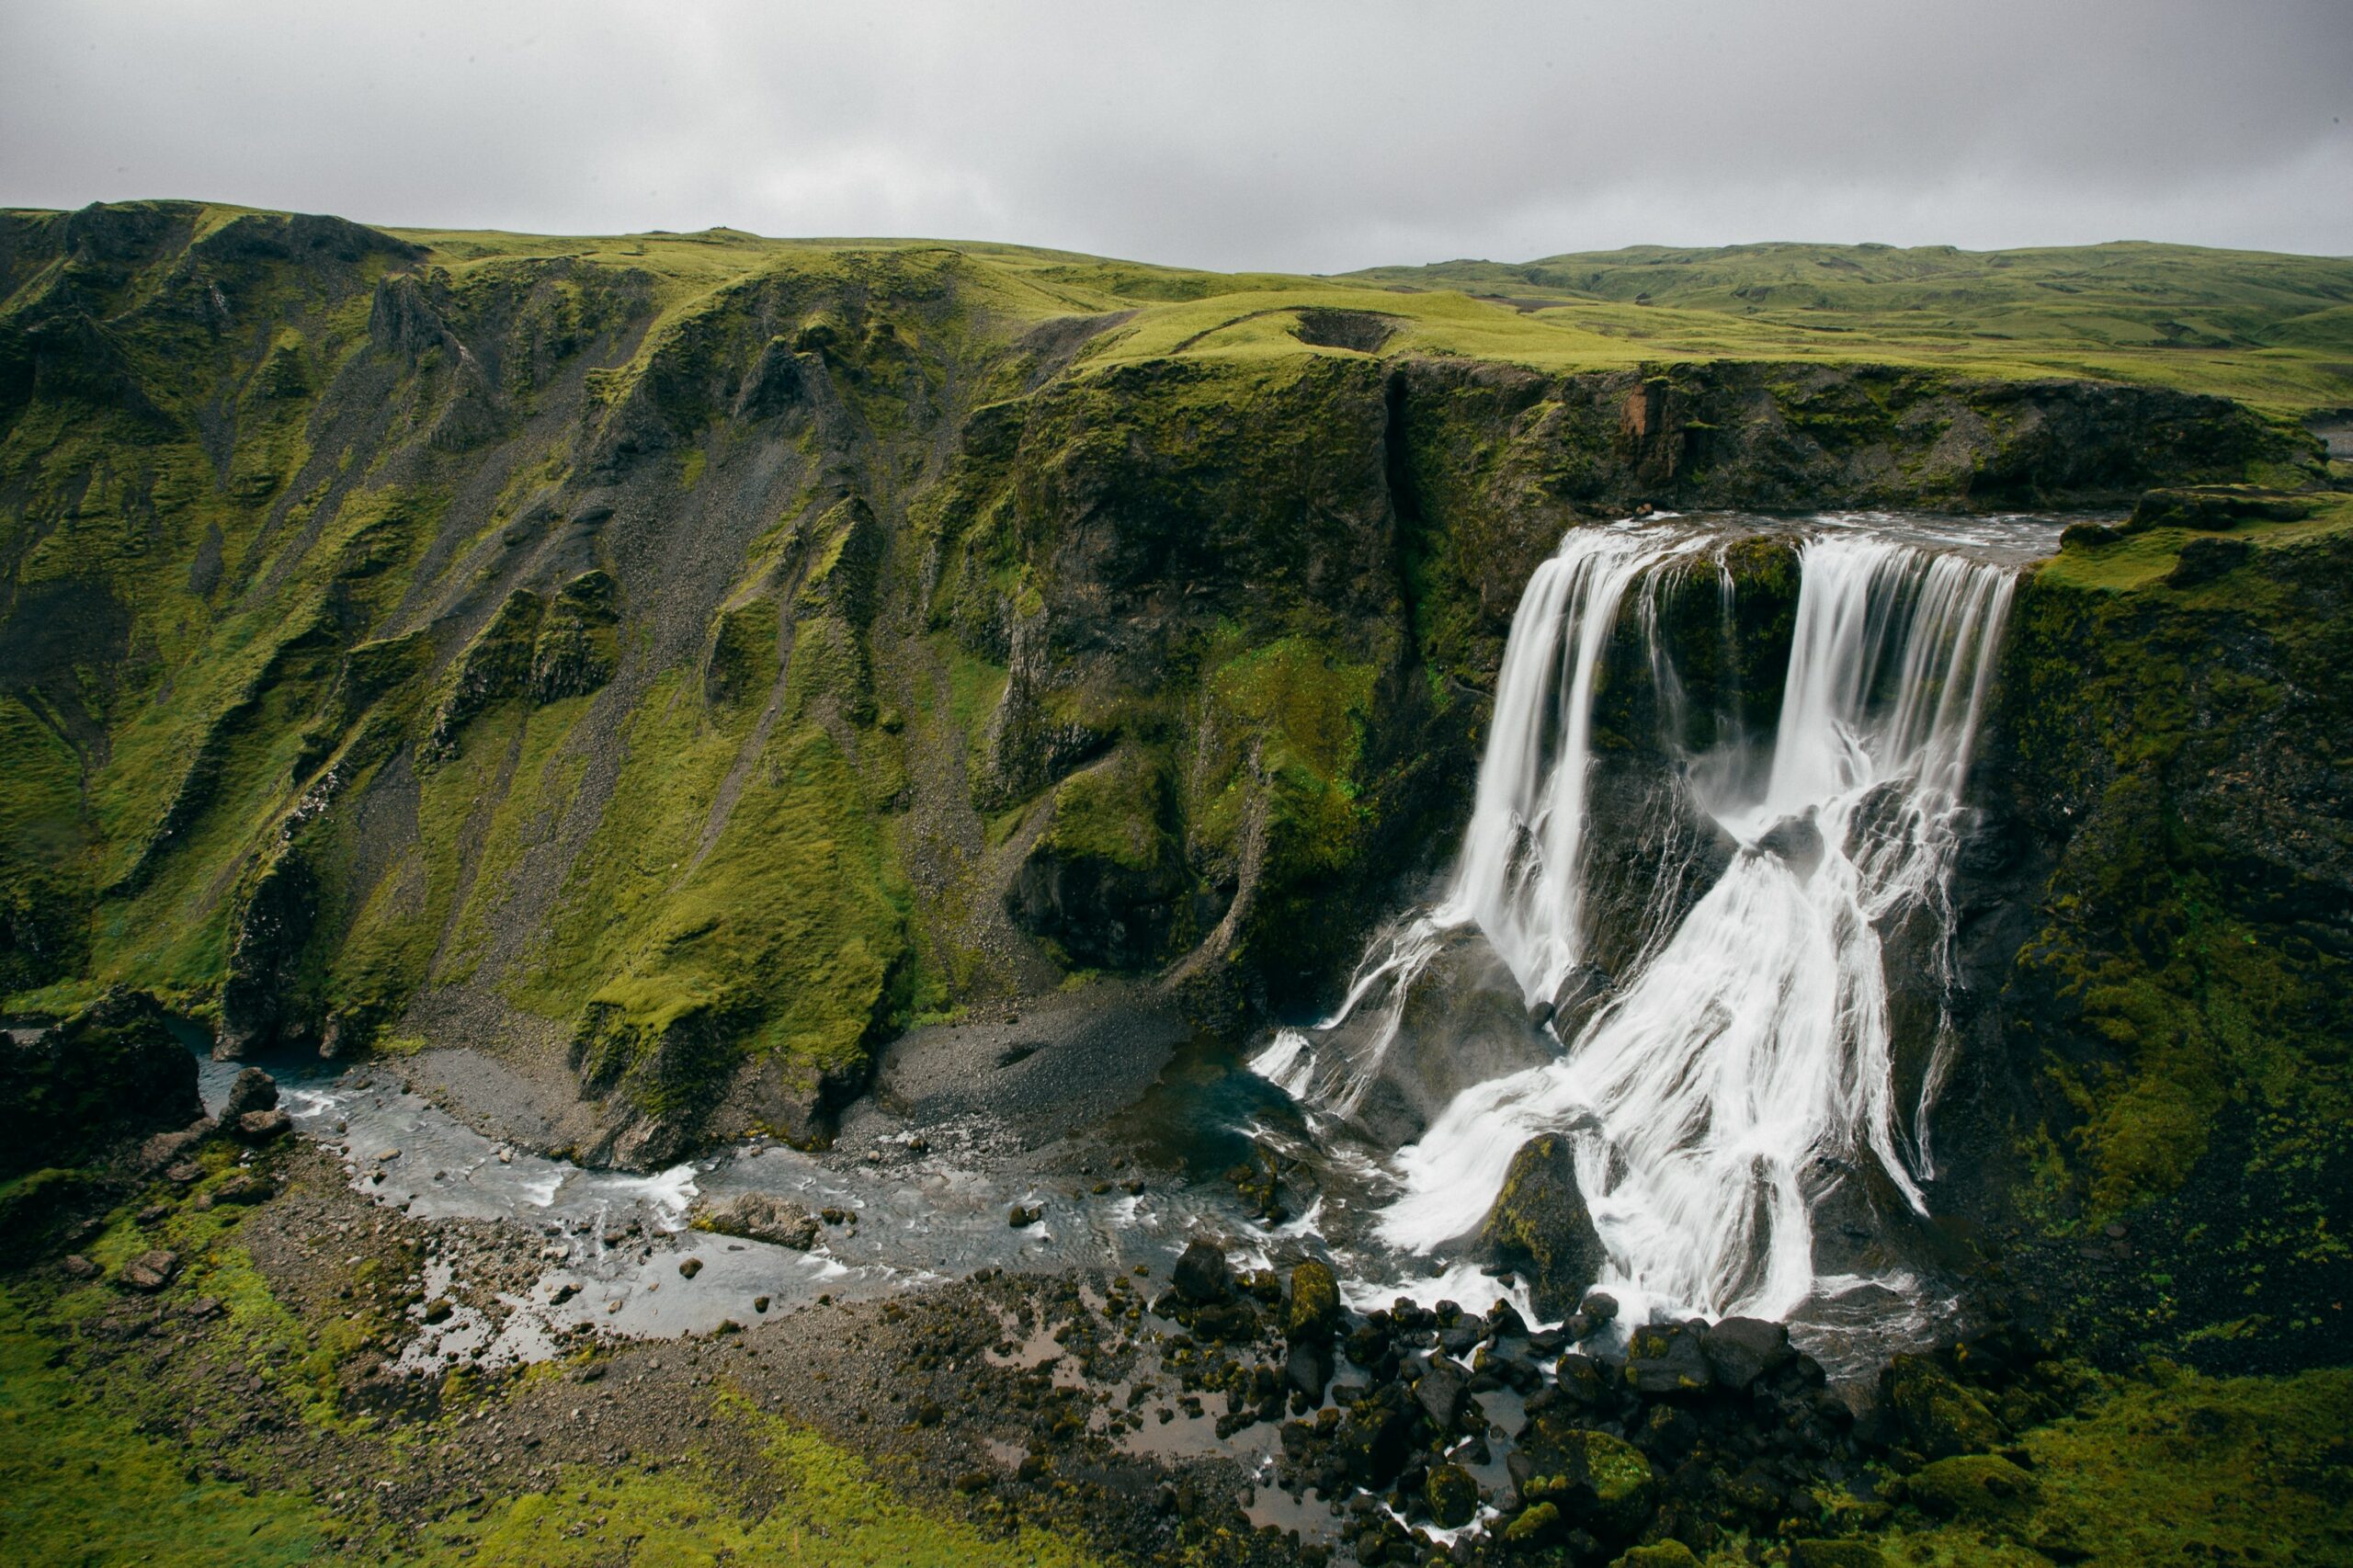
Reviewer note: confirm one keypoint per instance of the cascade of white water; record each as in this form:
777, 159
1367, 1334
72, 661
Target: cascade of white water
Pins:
1753, 1043
1518, 875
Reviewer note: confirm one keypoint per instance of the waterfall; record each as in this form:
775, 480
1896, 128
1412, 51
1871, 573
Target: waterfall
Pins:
1746, 1055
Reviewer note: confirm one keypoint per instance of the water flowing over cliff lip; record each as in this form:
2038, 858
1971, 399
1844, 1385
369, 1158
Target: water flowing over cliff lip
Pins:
1738, 1075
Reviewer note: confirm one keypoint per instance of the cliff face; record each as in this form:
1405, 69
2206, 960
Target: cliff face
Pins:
2158, 931
689, 659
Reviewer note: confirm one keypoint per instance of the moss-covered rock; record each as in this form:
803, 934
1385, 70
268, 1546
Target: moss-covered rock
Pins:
1311, 1311
1540, 1226
1600, 1482
1972, 1487
1940, 1416
1452, 1495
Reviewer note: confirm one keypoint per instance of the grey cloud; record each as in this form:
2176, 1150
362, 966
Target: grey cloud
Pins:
1306, 137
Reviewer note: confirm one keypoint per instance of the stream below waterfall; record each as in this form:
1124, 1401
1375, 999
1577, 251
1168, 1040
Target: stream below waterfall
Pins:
1734, 1074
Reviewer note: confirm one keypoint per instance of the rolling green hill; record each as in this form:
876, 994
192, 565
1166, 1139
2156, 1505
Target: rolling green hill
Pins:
2276, 331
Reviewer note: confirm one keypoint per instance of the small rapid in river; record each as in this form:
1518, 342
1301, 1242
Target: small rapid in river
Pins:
1719, 1087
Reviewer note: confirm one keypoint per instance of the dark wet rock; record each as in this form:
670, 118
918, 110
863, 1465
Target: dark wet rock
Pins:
1741, 1350
1443, 1391
1313, 1309
1452, 1495
1201, 1274
1020, 1216
1230, 1322
252, 1089
1540, 1227
1598, 1307
261, 1126
110, 1072
1939, 1418
690, 1266
761, 1217
1375, 1439
1603, 1483
1797, 841
1464, 1021
1307, 1366
1667, 1358
151, 1271
1586, 1381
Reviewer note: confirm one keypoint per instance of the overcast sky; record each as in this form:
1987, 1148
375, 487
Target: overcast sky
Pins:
1299, 137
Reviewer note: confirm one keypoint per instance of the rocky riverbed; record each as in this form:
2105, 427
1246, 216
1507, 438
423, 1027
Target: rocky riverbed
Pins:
279, 1319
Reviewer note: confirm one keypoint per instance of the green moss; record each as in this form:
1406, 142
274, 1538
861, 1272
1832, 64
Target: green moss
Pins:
2175, 1469
743, 665
799, 1500
1116, 811
78, 1484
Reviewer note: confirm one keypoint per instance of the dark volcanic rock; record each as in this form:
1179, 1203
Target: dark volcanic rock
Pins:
1667, 1358
1741, 1350
1200, 1275
253, 1090
1540, 1226
261, 1126
1444, 1393
1307, 1366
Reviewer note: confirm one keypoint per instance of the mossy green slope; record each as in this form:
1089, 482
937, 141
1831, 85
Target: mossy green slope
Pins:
693, 656
2171, 962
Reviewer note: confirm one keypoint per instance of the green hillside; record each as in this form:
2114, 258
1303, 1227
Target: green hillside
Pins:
685, 660
2276, 331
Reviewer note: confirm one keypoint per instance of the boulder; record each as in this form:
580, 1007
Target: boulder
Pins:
1200, 1275
1602, 1482
1308, 1367
1375, 1440
164, 1150
760, 1217
1534, 1527
151, 1271
1741, 1350
259, 1127
245, 1187
1659, 1555
1540, 1228
1939, 1418
1452, 1495
1313, 1312
1443, 1391
1835, 1555
1982, 1488
1667, 1358
251, 1090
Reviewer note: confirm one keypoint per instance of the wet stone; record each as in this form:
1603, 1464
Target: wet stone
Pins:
1201, 1274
